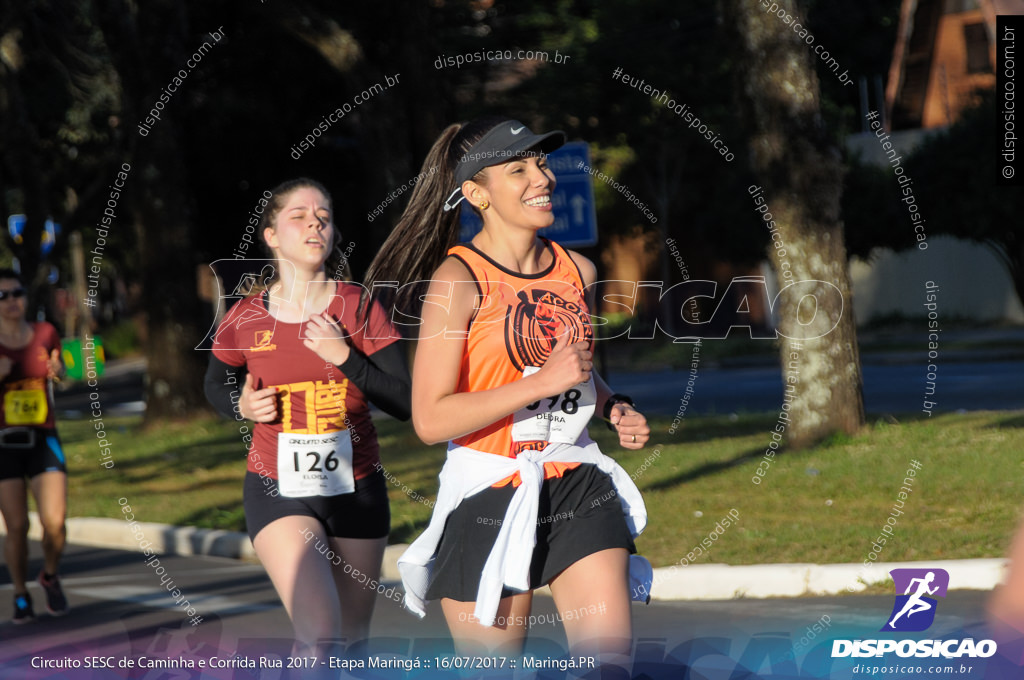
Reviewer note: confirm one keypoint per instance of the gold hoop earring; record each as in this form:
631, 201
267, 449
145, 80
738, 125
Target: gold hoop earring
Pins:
485, 205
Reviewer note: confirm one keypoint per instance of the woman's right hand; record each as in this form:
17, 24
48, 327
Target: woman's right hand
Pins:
5, 367
259, 406
567, 366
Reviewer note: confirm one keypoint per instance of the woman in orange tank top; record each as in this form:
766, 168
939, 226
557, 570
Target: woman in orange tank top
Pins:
504, 368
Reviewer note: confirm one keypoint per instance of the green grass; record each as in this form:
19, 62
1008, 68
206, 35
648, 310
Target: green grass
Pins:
187, 474
965, 500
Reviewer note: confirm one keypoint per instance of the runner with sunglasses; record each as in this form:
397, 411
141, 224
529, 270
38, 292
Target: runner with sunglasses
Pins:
29, 446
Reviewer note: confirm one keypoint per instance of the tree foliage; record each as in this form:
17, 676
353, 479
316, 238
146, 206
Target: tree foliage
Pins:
88, 74
955, 175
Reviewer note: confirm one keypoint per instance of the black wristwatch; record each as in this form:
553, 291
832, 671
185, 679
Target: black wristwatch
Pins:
612, 401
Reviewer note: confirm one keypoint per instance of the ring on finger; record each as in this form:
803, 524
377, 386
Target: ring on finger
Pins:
634, 439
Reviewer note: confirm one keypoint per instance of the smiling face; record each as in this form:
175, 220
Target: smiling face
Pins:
519, 192
303, 231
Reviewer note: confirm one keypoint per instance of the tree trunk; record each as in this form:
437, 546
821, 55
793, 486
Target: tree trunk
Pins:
22, 167
148, 49
172, 309
801, 175
664, 179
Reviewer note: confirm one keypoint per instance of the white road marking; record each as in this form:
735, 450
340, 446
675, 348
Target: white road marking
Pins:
70, 582
160, 598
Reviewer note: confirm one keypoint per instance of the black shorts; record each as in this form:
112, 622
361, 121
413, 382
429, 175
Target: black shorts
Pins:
579, 514
29, 451
364, 513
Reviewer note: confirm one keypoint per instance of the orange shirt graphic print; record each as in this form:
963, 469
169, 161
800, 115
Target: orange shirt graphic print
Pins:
542, 318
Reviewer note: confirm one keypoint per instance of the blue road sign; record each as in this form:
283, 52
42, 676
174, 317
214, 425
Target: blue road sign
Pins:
49, 238
572, 202
16, 227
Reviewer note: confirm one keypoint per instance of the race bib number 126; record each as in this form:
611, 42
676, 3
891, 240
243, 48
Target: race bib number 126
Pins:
315, 464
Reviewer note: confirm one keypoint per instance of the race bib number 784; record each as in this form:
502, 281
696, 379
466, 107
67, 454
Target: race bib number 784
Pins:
25, 407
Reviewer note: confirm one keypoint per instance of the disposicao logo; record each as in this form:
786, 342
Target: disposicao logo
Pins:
914, 611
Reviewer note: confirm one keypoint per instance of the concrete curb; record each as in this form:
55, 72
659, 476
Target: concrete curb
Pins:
723, 581
167, 539
692, 582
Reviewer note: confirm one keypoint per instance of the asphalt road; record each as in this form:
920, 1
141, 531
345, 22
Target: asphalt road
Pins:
121, 610
888, 388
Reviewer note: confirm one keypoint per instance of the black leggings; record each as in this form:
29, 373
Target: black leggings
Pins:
364, 513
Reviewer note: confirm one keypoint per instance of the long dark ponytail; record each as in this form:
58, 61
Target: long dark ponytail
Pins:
425, 231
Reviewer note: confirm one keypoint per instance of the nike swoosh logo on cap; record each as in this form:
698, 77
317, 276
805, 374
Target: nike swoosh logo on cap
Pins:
516, 132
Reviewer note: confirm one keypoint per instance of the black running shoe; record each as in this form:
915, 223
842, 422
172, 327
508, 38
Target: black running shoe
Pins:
23, 608
56, 603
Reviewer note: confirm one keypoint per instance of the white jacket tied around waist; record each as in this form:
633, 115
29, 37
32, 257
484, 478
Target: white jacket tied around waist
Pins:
468, 472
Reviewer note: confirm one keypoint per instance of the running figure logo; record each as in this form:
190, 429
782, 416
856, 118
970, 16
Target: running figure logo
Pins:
914, 610
263, 338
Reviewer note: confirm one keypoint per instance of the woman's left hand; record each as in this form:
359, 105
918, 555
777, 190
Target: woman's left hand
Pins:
325, 337
54, 366
631, 426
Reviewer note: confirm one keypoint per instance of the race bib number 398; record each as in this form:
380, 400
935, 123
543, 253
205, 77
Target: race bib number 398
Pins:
560, 418
315, 464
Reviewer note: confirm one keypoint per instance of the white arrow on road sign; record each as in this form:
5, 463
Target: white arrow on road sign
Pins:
578, 203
